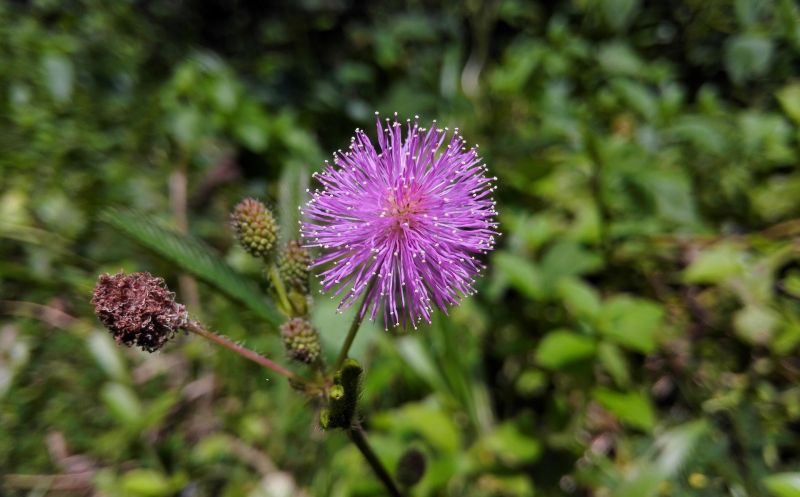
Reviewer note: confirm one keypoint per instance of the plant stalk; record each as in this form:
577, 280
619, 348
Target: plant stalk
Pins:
197, 329
354, 326
357, 435
280, 290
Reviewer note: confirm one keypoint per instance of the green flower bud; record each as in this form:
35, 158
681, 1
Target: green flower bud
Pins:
343, 397
255, 227
293, 266
301, 340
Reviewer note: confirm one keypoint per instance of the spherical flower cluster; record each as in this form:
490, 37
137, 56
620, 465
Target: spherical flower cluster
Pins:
402, 224
293, 265
138, 309
255, 227
301, 340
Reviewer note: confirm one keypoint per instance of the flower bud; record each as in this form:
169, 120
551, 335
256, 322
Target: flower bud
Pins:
343, 397
410, 468
301, 340
138, 309
255, 227
293, 266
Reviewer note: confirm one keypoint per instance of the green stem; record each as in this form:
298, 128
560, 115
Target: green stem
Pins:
277, 282
354, 326
357, 435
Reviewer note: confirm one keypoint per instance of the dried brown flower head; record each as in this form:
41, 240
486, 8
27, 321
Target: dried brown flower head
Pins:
138, 309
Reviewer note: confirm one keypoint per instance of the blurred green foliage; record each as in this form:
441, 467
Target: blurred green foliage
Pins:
636, 333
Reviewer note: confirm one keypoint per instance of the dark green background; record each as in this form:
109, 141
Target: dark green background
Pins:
636, 331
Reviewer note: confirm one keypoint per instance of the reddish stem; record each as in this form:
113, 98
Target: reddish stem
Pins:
197, 329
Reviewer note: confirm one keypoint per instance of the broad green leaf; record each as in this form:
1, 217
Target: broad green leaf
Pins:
614, 362
427, 419
715, 264
562, 347
747, 56
776, 197
705, 133
145, 483
59, 76
618, 13
632, 408
564, 259
783, 484
521, 273
512, 446
789, 98
251, 127
107, 354
618, 58
123, 404
756, 324
631, 322
668, 454
193, 256
421, 362
579, 298
531, 382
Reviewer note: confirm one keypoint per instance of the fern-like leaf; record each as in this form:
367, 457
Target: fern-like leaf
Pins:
194, 256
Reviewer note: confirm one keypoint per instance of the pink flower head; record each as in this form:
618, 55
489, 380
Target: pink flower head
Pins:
403, 223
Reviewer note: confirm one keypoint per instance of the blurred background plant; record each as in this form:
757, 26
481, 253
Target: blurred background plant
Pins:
636, 333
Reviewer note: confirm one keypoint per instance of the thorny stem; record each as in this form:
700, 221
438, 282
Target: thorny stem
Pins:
354, 326
197, 329
357, 435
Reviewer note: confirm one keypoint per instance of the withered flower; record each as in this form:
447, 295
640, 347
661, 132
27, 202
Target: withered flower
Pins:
138, 309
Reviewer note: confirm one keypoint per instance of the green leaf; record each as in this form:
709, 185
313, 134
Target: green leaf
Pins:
631, 322
579, 298
145, 483
789, 98
512, 446
107, 354
618, 13
633, 408
618, 58
59, 75
427, 419
747, 56
122, 403
614, 362
193, 256
756, 324
783, 484
715, 264
562, 347
564, 259
521, 273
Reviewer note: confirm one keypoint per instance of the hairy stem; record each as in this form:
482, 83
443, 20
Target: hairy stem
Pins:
357, 435
197, 329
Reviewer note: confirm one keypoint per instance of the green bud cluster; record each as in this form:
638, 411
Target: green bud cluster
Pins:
342, 397
255, 227
293, 264
301, 340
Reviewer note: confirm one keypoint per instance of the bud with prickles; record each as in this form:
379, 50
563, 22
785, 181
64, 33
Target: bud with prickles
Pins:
255, 227
293, 266
301, 340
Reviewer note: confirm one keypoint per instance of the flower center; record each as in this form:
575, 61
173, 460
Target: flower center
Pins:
403, 210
